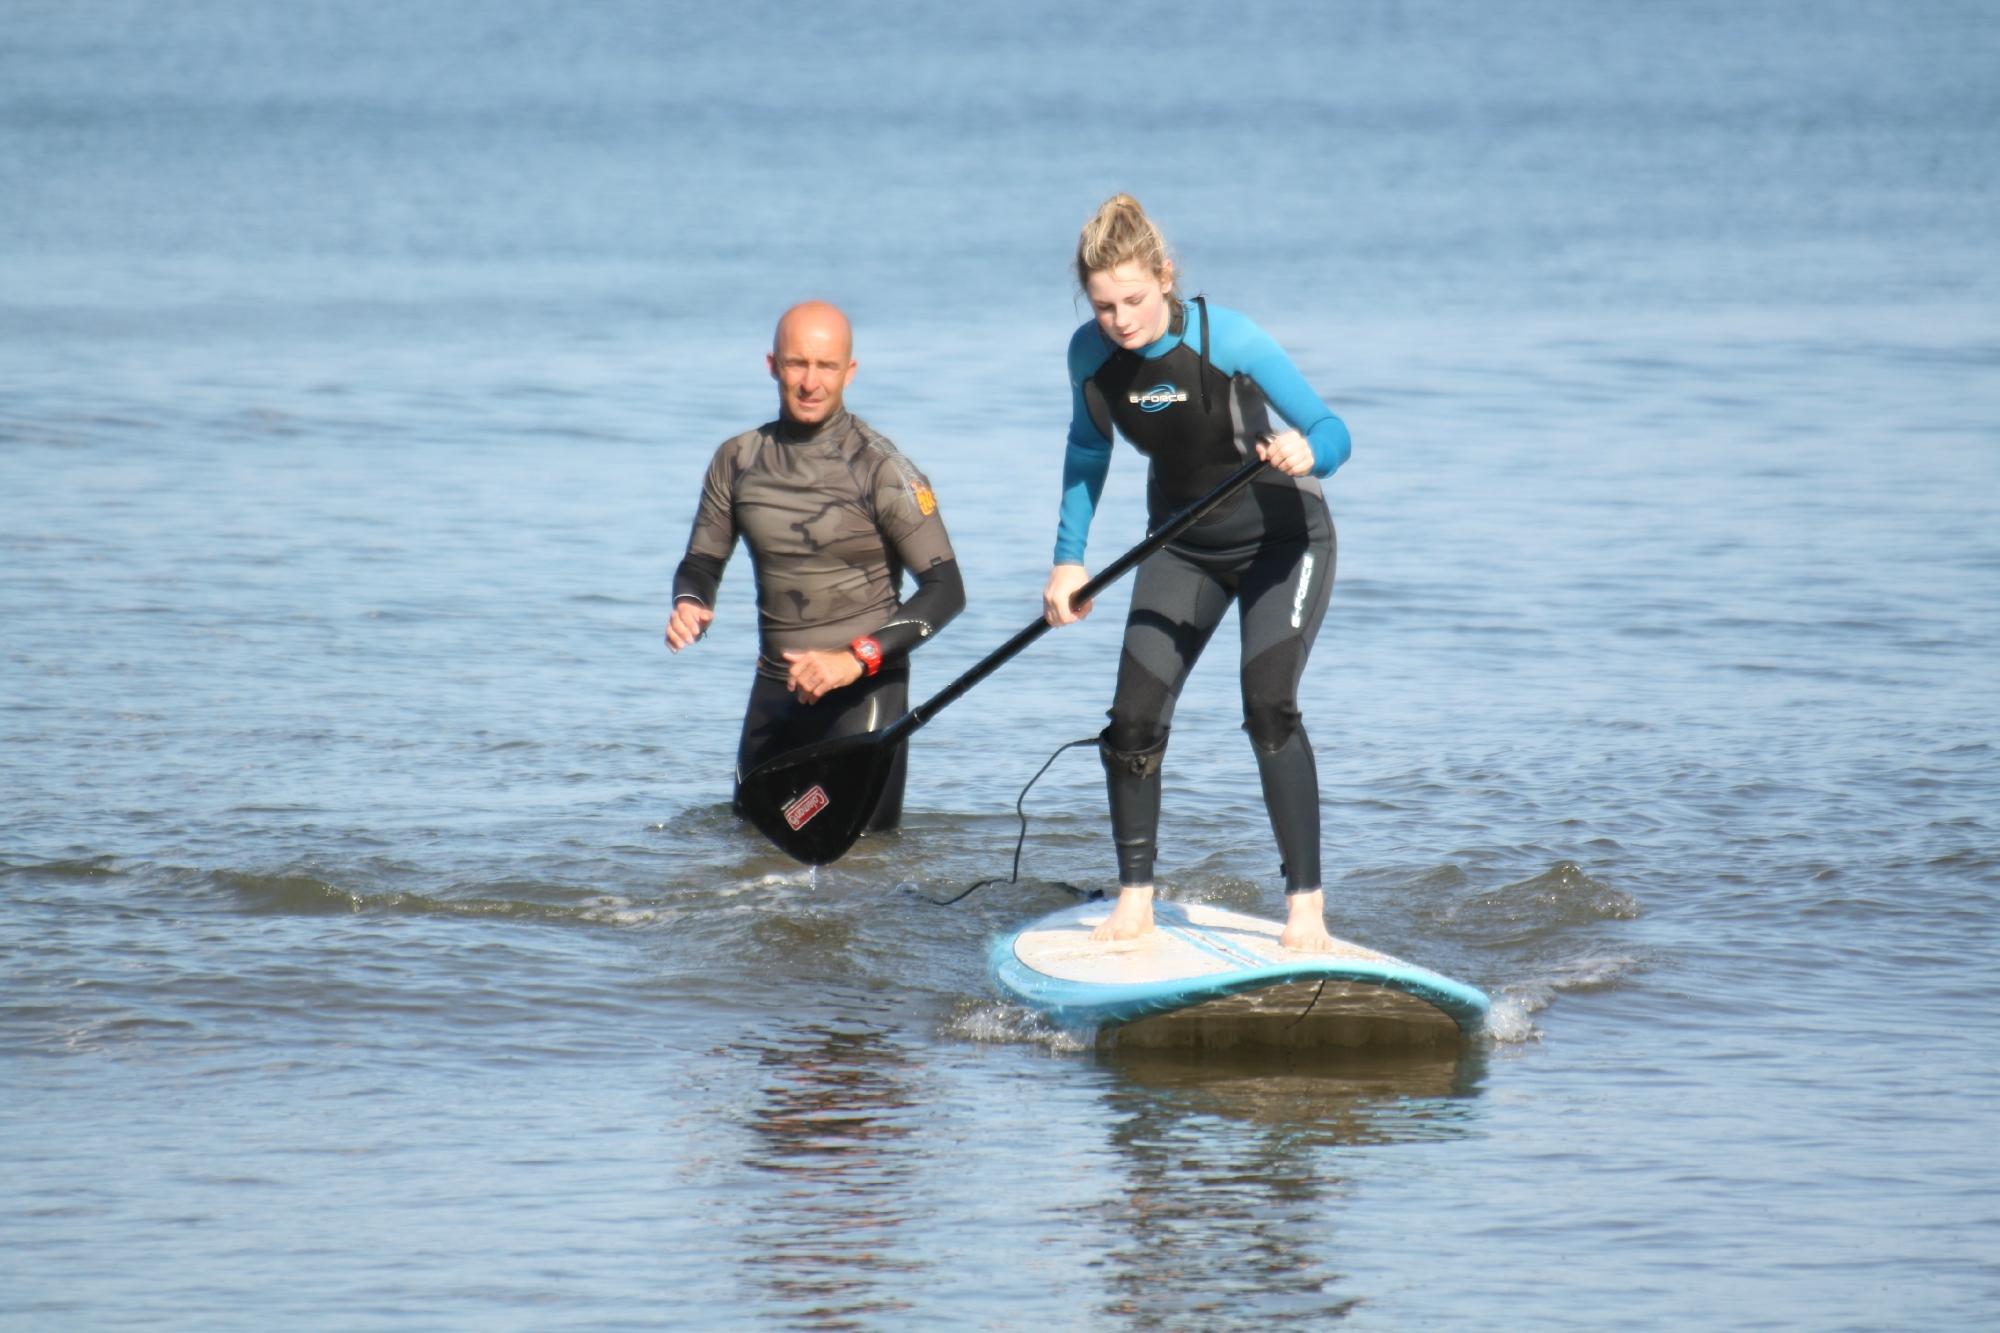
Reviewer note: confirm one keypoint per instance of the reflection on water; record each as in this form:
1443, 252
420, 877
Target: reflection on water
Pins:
1333, 1098
832, 1126
1187, 1190
1233, 1183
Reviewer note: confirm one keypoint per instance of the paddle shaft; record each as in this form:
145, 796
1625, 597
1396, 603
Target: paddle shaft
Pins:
896, 732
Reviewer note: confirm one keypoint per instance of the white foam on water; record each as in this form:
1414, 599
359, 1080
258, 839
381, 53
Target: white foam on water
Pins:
1507, 1022
1007, 1024
1510, 1022
612, 910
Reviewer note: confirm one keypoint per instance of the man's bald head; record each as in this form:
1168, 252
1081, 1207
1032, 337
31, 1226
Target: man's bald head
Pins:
818, 321
812, 359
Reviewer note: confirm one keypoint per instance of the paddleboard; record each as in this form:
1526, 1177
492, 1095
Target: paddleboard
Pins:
1207, 976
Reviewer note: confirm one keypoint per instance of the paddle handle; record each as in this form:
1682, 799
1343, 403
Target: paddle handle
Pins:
1107, 576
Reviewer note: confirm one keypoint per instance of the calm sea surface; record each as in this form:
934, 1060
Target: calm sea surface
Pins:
377, 949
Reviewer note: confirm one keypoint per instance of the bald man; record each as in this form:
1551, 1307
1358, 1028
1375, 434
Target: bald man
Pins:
833, 516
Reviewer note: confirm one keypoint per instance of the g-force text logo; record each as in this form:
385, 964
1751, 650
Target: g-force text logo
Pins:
1157, 398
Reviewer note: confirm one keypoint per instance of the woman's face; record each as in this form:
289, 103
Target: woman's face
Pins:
1131, 303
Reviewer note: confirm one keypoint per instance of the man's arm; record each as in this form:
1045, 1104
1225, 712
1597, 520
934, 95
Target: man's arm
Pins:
906, 511
713, 537
695, 585
938, 597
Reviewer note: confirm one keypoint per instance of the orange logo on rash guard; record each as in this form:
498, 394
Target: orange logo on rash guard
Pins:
805, 807
914, 484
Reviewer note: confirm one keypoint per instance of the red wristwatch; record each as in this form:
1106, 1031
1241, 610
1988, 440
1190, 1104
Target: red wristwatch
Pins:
869, 653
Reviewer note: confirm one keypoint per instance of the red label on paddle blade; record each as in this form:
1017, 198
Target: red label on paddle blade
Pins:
804, 807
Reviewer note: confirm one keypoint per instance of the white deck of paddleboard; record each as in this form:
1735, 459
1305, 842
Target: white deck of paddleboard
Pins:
1060, 946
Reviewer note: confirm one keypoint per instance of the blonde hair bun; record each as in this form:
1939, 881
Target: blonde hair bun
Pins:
1119, 232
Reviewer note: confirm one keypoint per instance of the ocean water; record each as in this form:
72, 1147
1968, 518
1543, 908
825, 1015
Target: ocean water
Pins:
377, 949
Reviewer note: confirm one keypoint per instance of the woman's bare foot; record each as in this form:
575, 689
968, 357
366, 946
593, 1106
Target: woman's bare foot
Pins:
1305, 923
1131, 917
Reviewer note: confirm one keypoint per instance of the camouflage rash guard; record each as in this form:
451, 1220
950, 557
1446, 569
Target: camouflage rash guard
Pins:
832, 517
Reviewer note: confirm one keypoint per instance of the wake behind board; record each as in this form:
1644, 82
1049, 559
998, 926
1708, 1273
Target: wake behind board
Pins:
1207, 976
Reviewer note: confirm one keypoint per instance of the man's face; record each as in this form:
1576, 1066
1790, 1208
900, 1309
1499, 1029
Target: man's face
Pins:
812, 361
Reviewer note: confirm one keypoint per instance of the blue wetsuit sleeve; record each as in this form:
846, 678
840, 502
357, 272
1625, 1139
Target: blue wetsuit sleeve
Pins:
1237, 344
1086, 460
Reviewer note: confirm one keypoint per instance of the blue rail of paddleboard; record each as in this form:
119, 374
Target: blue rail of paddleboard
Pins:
1090, 1004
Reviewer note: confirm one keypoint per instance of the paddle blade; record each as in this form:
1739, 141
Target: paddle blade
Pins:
814, 802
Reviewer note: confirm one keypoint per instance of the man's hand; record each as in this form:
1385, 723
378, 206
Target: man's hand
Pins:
689, 622
816, 674
1063, 581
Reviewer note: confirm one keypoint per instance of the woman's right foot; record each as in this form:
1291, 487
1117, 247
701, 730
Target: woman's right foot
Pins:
1131, 916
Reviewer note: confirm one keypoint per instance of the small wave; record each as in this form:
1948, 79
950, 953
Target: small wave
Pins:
1980, 862
1416, 881
1538, 921
95, 1035
1594, 973
1511, 1022
610, 910
806, 878
87, 867
992, 1022
1561, 896
287, 895
1508, 1023
301, 894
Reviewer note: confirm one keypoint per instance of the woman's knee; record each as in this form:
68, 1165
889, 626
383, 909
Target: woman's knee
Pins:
1133, 735
1272, 723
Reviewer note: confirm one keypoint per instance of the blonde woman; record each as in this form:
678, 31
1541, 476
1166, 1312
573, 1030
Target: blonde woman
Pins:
1191, 385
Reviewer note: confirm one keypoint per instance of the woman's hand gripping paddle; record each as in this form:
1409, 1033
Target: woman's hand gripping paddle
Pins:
813, 802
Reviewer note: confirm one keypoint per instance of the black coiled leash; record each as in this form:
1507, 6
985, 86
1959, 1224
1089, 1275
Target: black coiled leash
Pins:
1083, 895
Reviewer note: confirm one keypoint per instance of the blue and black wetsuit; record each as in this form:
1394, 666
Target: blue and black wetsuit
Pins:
1196, 402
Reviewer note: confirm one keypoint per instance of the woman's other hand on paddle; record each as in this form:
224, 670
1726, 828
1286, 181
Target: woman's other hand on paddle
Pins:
689, 622
1064, 580
816, 674
1290, 453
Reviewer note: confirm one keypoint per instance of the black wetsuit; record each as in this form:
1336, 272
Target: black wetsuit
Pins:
832, 517
1195, 402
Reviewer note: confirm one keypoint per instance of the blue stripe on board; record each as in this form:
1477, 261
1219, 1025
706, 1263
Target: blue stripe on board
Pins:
1205, 938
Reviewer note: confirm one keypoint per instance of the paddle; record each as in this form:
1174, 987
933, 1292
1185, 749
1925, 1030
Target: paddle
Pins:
812, 802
